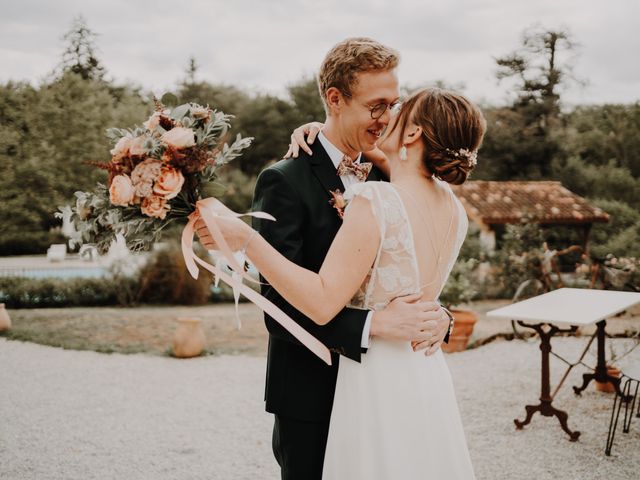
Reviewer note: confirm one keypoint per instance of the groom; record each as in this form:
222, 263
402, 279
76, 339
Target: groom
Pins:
359, 86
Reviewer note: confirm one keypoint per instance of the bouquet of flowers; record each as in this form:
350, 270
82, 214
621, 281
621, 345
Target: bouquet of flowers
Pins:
157, 173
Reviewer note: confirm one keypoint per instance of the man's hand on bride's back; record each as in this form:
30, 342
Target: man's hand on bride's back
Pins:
298, 141
424, 324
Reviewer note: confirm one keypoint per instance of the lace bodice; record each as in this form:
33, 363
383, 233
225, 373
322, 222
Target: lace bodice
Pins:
395, 271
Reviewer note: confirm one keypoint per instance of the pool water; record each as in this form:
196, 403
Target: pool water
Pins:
63, 272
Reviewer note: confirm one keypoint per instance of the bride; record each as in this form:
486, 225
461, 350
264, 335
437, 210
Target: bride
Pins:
398, 238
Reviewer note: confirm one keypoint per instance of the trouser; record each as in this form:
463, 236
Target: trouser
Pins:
299, 447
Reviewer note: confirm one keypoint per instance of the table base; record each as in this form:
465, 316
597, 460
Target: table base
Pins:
545, 407
547, 410
600, 374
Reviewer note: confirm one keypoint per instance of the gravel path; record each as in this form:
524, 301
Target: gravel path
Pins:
84, 415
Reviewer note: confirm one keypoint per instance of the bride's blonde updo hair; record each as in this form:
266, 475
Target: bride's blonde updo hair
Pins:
452, 131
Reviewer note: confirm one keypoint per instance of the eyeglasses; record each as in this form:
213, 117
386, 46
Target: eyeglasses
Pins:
378, 110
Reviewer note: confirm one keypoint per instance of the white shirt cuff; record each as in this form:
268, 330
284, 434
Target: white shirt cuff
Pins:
364, 343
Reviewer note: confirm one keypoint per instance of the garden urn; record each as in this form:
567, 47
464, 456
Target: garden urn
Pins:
189, 339
608, 387
5, 320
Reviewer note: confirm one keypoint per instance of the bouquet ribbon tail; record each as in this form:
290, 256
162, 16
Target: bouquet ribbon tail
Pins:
208, 209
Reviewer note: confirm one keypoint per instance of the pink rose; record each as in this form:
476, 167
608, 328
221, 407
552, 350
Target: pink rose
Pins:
121, 191
121, 148
135, 147
155, 206
169, 183
179, 137
152, 122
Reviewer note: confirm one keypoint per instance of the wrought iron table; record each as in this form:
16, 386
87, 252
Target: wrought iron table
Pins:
563, 311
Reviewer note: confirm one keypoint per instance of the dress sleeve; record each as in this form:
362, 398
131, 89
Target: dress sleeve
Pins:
371, 192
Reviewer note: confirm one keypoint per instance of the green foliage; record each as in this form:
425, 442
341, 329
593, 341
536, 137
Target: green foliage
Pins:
307, 104
267, 117
521, 140
605, 135
238, 192
519, 257
620, 235
53, 292
461, 284
516, 146
51, 133
590, 181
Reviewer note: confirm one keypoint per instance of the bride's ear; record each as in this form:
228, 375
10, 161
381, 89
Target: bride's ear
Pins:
411, 134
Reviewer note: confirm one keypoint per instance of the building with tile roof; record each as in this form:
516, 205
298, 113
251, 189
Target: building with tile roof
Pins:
493, 203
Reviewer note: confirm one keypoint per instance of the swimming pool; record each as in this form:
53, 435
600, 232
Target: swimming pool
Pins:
60, 272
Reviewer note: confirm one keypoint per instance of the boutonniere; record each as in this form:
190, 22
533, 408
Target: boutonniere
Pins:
338, 202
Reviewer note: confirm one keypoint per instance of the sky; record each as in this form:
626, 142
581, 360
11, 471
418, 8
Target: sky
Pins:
263, 46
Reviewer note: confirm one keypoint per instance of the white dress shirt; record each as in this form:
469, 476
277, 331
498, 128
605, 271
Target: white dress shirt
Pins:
336, 157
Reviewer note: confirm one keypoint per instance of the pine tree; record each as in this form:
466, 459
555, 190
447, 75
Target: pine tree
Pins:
80, 55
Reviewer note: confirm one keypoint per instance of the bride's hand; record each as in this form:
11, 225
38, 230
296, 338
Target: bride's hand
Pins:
379, 159
310, 130
234, 230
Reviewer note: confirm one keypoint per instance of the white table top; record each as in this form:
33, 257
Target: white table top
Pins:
569, 306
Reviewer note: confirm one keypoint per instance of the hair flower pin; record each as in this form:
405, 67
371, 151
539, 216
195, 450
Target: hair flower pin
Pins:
471, 156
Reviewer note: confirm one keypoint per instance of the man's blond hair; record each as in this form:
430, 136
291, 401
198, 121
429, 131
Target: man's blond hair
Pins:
345, 60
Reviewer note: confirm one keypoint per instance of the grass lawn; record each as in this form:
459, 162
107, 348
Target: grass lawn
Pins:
149, 329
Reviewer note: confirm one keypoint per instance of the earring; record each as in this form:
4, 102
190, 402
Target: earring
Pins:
403, 153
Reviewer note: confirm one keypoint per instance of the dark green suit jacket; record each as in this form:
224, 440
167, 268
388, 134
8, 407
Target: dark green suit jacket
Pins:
296, 192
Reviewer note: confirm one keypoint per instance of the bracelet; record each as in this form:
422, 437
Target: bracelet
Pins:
451, 320
246, 244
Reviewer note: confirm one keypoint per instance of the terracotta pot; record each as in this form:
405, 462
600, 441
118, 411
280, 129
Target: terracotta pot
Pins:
189, 339
5, 320
609, 387
462, 330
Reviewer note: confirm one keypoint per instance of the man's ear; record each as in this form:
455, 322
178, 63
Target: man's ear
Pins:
334, 99
412, 134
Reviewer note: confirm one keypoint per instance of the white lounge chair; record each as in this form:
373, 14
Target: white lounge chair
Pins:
57, 252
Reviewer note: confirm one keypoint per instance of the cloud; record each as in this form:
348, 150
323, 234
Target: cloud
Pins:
268, 45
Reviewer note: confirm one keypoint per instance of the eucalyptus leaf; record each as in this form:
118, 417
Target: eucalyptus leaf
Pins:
179, 112
169, 100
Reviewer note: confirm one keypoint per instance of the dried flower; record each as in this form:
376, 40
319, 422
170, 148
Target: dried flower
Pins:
470, 156
338, 202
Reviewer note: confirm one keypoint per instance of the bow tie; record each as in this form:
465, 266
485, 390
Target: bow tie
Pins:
360, 170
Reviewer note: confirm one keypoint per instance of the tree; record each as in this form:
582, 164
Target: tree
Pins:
521, 140
307, 104
538, 70
80, 55
605, 133
192, 69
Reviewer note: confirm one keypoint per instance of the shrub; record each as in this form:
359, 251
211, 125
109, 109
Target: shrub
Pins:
460, 287
165, 279
19, 292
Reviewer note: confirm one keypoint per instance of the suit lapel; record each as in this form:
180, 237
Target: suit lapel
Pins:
324, 170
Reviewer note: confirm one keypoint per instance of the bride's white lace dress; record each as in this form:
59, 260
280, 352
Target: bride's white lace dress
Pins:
395, 415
